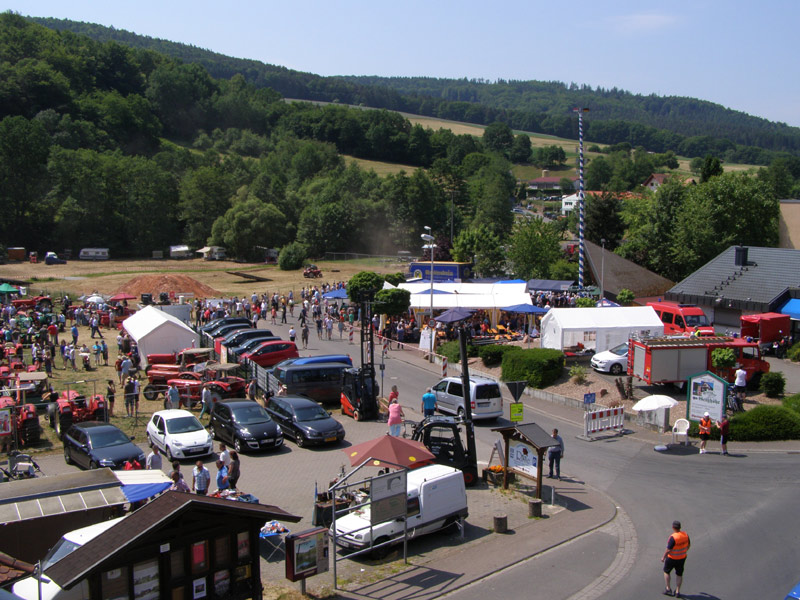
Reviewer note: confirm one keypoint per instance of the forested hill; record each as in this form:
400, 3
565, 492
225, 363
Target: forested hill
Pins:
686, 126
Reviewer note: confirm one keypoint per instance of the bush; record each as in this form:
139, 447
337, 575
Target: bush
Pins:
585, 302
577, 373
625, 297
292, 256
723, 358
765, 423
773, 384
453, 353
539, 367
794, 353
492, 355
792, 403
761, 424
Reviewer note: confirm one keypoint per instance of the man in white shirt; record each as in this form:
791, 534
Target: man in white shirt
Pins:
153, 459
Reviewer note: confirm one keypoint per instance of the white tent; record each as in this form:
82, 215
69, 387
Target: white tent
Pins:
157, 332
598, 329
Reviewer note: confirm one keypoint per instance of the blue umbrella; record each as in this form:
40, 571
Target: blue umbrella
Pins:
528, 309
339, 294
454, 314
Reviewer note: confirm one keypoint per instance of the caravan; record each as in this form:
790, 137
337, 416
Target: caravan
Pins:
94, 254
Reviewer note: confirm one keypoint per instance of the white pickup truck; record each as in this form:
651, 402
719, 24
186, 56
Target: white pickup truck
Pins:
436, 499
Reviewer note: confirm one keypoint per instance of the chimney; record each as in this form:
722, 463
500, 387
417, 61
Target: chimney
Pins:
740, 256
545, 173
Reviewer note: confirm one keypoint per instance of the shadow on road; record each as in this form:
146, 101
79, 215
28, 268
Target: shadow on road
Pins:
417, 582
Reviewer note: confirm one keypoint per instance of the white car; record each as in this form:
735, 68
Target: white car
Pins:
178, 434
614, 361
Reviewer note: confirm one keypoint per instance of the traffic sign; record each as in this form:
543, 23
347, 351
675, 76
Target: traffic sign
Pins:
516, 388
589, 398
515, 409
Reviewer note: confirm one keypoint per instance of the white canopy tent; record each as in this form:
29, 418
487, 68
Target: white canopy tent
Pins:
598, 329
157, 332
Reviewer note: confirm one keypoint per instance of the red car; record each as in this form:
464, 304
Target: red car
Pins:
271, 353
222, 386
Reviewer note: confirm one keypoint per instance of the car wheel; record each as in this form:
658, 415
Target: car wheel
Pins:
460, 414
381, 552
301, 441
356, 415
214, 432
67, 457
237, 445
616, 369
93, 465
169, 455
150, 392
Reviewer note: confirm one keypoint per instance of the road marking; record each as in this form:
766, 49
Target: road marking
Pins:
627, 549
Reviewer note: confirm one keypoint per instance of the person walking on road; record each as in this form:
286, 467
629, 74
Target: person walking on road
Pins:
396, 416
723, 427
153, 460
674, 558
428, 406
555, 454
205, 399
705, 431
304, 335
172, 399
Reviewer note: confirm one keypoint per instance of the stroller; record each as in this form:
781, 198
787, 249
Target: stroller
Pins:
21, 466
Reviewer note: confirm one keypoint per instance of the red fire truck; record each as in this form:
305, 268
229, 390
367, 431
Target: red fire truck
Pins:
675, 359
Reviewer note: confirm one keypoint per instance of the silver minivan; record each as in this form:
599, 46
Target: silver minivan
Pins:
487, 401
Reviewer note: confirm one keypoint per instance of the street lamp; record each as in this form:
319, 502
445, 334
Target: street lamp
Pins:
603, 269
430, 245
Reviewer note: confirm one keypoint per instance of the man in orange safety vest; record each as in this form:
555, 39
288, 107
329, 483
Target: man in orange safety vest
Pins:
674, 557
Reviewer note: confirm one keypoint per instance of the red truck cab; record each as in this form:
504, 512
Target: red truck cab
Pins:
682, 318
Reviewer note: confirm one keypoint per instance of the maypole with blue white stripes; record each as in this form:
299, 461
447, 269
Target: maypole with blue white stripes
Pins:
581, 202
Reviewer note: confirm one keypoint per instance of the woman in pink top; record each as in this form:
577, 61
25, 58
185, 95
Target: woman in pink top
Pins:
395, 413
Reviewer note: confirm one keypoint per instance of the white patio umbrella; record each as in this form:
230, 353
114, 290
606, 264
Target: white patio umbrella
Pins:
654, 402
96, 298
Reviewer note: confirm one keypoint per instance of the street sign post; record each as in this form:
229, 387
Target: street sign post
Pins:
516, 388
588, 400
515, 410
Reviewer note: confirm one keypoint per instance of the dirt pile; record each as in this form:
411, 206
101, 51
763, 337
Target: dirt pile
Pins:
179, 284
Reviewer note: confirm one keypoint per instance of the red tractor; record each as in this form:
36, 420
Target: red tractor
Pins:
24, 419
185, 359
220, 384
37, 302
159, 375
73, 407
312, 271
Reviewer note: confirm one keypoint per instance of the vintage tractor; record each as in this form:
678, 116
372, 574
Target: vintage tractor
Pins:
159, 375
24, 419
37, 302
73, 407
312, 271
185, 359
215, 378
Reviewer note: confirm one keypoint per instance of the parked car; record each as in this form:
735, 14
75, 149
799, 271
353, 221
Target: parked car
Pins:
94, 444
485, 395
319, 381
178, 434
247, 345
614, 361
270, 353
215, 323
436, 499
320, 358
305, 421
245, 425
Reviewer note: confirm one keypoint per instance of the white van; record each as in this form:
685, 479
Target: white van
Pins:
486, 398
28, 588
436, 499
93, 254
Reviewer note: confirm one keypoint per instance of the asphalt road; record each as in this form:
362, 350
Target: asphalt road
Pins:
739, 511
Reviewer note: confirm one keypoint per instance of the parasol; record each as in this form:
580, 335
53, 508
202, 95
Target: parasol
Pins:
654, 402
393, 450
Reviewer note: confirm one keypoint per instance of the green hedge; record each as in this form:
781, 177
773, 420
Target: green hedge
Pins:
453, 353
794, 352
792, 403
773, 384
762, 424
492, 355
538, 366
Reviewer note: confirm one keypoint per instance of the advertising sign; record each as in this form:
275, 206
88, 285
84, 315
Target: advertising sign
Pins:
306, 553
5, 421
706, 393
522, 457
515, 412
388, 497
425, 340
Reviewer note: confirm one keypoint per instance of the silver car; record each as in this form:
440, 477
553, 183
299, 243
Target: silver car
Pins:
486, 398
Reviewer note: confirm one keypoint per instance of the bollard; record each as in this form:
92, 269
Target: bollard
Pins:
500, 523
444, 366
535, 508
351, 333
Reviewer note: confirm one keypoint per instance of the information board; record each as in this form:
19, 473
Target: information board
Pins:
706, 394
522, 457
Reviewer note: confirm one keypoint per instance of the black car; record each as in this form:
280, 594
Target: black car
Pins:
237, 338
245, 425
216, 323
93, 445
305, 421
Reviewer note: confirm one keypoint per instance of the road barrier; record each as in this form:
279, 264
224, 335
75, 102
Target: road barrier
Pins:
444, 366
604, 420
352, 329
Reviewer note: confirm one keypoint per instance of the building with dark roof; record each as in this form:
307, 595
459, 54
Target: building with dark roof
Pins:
742, 280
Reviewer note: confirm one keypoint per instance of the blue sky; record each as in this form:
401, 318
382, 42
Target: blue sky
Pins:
740, 54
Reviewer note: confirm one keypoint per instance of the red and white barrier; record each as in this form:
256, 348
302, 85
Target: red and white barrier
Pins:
385, 346
352, 329
604, 420
444, 366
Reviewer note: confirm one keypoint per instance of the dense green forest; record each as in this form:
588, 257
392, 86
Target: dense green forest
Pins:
103, 144
686, 126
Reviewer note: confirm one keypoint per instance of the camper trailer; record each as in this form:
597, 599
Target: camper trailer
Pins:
93, 254
212, 253
179, 252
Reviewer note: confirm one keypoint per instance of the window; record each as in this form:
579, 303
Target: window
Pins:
749, 353
413, 506
679, 321
456, 389
486, 392
666, 318
199, 557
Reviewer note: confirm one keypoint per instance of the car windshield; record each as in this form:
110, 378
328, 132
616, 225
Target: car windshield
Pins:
60, 550
620, 350
108, 437
310, 413
183, 425
696, 320
250, 415
484, 392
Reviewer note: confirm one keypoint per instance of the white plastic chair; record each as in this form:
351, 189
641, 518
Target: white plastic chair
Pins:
680, 430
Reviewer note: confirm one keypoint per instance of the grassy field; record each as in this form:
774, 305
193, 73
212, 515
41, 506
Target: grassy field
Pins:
381, 168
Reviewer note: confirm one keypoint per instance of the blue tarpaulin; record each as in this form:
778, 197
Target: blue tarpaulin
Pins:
791, 308
142, 484
339, 294
528, 309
